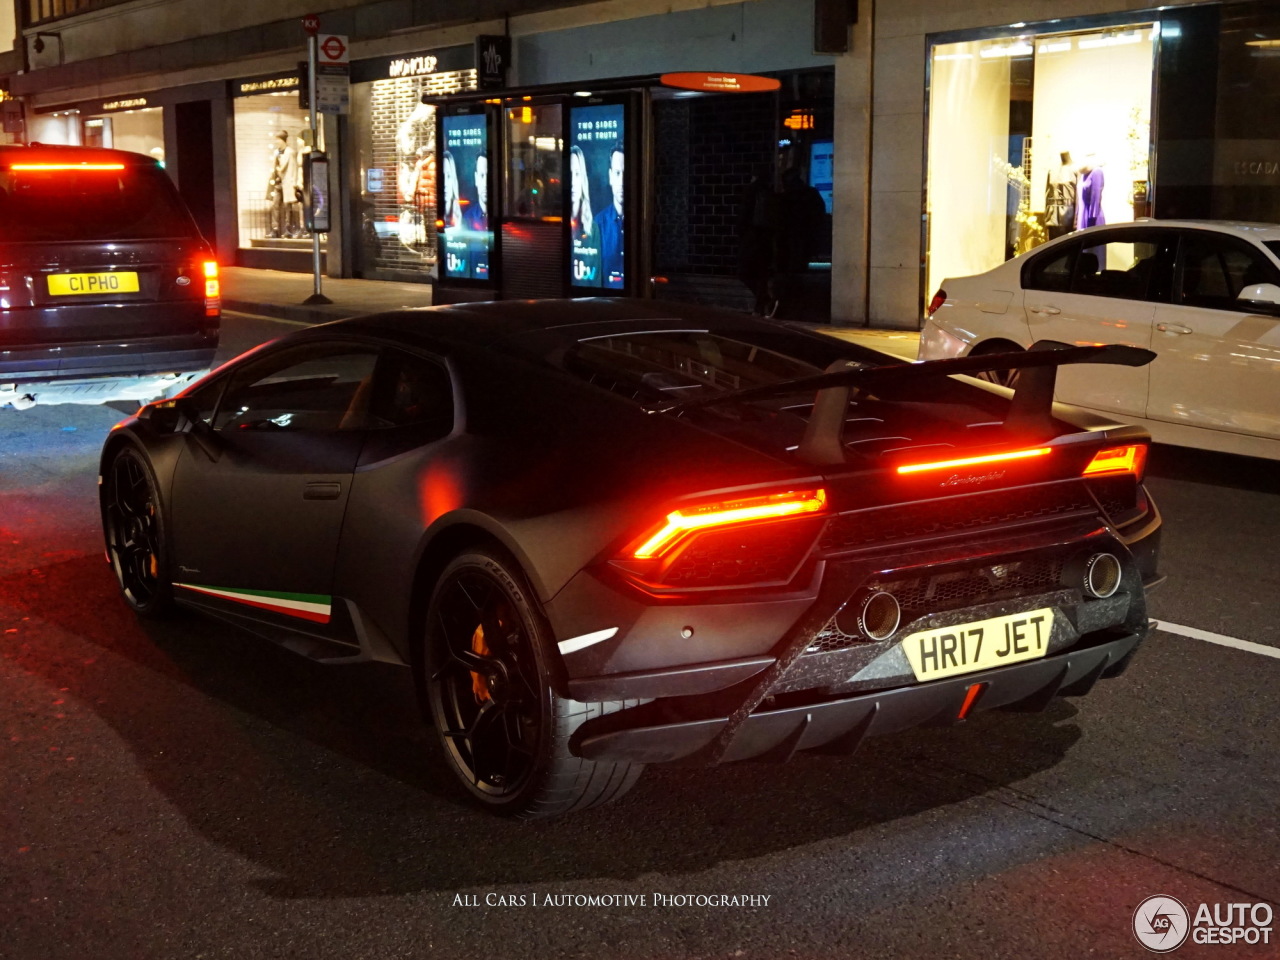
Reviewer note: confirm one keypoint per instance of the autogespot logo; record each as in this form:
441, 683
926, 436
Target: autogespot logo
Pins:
1161, 924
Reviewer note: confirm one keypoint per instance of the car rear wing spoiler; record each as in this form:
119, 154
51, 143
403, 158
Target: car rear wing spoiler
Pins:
1030, 411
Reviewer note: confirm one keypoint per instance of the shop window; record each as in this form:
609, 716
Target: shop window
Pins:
140, 131
1027, 143
273, 138
535, 147
395, 135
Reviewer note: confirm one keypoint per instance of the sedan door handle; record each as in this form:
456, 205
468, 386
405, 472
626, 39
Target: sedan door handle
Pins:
1048, 311
1173, 328
322, 491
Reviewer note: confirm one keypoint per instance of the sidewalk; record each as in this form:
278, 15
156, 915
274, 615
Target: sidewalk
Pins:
276, 293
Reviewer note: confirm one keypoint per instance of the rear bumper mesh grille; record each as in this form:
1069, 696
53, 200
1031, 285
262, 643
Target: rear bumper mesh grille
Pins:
954, 515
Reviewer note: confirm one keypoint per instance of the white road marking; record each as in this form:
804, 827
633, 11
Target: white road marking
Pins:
586, 640
1193, 633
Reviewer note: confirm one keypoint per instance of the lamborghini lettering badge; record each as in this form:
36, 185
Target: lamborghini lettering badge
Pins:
956, 480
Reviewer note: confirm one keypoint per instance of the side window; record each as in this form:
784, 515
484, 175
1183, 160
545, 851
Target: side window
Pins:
317, 386
1126, 267
1216, 269
1053, 271
411, 391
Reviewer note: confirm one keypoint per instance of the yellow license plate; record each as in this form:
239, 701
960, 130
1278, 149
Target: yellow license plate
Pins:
980, 645
118, 281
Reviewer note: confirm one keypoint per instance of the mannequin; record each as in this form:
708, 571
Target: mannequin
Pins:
281, 177
1060, 198
1089, 194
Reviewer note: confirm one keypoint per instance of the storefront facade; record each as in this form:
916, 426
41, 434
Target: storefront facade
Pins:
392, 177
602, 178
988, 139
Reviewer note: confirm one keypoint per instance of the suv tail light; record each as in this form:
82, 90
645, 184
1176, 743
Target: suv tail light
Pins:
938, 300
212, 289
746, 541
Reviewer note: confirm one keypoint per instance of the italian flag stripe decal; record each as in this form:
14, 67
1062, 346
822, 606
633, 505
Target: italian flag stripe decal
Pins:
307, 606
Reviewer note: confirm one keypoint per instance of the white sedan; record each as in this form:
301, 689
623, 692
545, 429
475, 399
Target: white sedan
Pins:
1204, 295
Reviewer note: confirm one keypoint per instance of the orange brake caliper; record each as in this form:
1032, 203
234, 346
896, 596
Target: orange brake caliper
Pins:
479, 686
155, 563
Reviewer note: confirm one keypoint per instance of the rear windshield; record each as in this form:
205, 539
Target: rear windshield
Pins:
659, 366
136, 203
682, 364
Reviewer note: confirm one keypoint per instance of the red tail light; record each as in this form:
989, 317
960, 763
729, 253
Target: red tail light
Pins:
212, 289
974, 461
726, 513
728, 543
1130, 458
938, 300
66, 166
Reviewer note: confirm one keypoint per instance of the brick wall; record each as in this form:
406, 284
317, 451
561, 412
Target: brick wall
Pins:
706, 151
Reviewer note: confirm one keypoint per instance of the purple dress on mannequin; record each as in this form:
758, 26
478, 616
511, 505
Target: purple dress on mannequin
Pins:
1089, 199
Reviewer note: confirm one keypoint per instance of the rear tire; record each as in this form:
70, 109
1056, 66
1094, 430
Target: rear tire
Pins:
134, 528
487, 680
1005, 378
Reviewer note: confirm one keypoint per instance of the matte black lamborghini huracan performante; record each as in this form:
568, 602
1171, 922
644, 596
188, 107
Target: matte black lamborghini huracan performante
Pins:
607, 533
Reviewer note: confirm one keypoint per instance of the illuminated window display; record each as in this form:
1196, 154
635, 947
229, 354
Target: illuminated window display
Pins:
395, 137
272, 139
126, 124
1032, 137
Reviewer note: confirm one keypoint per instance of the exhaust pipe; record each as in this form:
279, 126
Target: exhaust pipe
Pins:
876, 617
1102, 573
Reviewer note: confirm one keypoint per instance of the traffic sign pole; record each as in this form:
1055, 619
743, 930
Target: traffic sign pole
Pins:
312, 25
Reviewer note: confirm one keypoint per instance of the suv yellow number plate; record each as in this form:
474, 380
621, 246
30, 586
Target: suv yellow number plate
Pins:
118, 281
980, 645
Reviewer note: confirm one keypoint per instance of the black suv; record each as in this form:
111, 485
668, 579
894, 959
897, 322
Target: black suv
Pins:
107, 289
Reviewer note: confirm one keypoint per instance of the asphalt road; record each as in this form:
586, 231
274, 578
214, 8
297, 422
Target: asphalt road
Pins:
185, 790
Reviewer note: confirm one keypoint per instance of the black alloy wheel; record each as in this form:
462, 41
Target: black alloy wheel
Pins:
134, 528
487, 682
490, 703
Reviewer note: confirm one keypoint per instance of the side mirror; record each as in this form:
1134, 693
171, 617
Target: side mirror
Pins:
165, 416
180, 415
1261, 293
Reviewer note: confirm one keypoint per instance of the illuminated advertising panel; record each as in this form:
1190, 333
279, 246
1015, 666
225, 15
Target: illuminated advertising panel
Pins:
597, 177
464, 197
